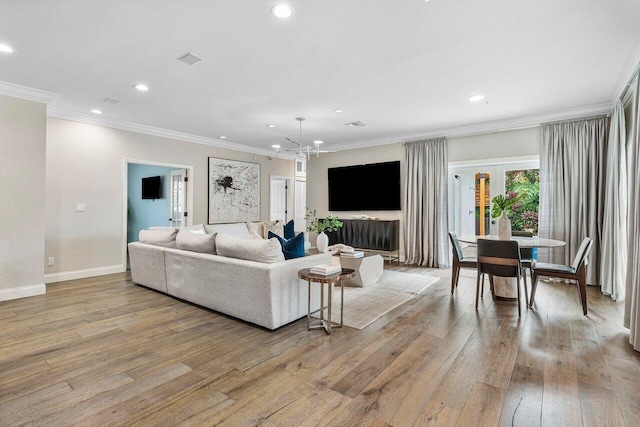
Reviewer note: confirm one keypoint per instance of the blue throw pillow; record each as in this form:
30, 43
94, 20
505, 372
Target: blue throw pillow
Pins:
288, 230
292, 248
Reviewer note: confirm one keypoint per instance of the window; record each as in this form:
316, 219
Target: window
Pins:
525, 185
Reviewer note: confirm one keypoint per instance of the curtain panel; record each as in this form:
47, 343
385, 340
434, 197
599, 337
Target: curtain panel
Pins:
426, 203
632, 300
614, 226
572, 163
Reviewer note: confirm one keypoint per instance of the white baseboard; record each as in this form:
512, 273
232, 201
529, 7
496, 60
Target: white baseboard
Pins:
81, 274
22, 292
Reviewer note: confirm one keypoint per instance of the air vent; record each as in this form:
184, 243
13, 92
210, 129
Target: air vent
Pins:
189, 58
110, 101
356, 124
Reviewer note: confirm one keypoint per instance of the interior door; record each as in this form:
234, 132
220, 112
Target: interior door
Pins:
178, 198
278, 200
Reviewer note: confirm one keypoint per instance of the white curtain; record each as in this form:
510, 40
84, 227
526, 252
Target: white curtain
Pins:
572, 165
425, 204
632, 301
614, 227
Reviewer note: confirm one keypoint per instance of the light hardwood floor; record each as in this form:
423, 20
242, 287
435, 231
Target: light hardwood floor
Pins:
102, 351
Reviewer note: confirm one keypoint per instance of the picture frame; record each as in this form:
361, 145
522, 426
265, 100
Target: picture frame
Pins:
234, 191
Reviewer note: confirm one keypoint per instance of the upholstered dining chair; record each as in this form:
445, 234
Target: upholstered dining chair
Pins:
576, 271
500, 258
526, 254
459, 261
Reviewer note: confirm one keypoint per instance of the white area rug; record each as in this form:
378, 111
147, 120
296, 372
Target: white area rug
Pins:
363, 306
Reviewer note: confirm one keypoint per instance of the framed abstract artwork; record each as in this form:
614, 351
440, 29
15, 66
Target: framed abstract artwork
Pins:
234, 191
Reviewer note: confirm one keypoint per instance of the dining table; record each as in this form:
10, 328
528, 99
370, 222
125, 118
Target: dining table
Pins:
504, 287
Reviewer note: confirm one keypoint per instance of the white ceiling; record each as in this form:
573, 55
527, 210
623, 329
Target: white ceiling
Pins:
406, 68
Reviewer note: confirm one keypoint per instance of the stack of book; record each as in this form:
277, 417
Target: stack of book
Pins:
356, 254
326, 269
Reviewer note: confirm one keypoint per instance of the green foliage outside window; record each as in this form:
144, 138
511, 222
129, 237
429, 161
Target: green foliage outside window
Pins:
524, 185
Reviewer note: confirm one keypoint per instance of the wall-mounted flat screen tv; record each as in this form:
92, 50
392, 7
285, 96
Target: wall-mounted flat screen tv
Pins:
152, 187
370, 187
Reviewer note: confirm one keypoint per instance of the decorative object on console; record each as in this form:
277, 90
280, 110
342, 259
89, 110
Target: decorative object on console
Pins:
320, 226
234, 191
291, 248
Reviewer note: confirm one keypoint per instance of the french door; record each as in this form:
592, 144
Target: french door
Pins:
177, 198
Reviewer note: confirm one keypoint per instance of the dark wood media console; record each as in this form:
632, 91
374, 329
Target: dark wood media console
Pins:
373, 235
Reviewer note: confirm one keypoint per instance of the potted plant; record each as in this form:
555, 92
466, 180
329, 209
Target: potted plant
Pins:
502, 207
320, 226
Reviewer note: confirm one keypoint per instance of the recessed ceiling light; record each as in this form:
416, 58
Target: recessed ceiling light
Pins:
275, 146
222, 137
96, 111
476, 98
141, 87
338, 110
271, 126
318, 142
282, 11
6, 49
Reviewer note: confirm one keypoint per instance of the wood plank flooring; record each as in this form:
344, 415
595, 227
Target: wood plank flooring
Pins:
103, 351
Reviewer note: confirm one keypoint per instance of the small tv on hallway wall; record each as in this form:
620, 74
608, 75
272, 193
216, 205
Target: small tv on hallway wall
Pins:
369, 187
152, 187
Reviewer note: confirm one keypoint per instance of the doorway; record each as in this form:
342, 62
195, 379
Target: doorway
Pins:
172, 209
279, 198
473, 185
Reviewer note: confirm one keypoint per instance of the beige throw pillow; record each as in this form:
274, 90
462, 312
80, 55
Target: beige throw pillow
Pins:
276, 227
159, 237
256, 227
267, 251
189, 241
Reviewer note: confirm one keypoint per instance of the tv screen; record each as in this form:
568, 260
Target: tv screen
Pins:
370, 187
151, 187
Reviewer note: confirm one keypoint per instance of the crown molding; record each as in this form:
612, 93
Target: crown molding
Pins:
631, 70
67, 114
481, 128
24, 92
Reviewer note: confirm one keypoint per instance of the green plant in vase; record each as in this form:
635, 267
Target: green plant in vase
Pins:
502, 208
321, 226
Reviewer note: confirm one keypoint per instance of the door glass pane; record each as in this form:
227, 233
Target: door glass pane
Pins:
483, 202
525, 185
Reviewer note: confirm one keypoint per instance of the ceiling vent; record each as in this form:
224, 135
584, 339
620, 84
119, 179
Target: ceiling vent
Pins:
356, 124
189, 58
110, 101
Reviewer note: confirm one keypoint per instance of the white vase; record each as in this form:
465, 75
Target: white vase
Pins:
504, 227
322, 242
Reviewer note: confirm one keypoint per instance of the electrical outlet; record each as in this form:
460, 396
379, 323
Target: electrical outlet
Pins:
51, 261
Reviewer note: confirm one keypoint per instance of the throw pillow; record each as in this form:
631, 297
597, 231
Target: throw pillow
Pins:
255, 236
292, 248
190, 241
159, 237
275, 227
289, 233
266, 251
256, 227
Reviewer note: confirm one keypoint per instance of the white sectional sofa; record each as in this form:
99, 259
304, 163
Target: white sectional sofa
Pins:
266, 294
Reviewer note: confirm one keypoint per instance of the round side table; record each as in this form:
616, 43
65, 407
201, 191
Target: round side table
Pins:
331, 280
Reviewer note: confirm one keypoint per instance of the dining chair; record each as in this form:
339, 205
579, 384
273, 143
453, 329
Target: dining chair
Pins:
526, 254
576, 271
459, 261
500, 258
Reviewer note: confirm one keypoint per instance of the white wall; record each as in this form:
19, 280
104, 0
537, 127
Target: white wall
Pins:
22, 165
516, 143
85, 164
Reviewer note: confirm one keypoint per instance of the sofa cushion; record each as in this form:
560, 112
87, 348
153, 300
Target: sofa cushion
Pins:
237, 229
195, 242
276, 227
291, 248
266, 251
159, 237
197, 229
289, 233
